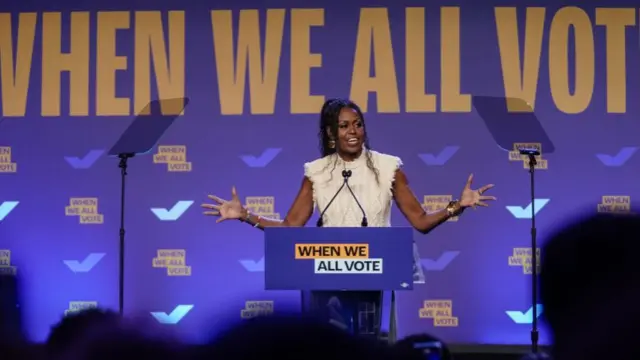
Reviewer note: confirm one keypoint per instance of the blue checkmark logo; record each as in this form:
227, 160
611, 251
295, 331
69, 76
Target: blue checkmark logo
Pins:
525, 213
519, 317
440, 159
174, 317
263, 160
6, 208
619, 159
85, 162
252, 265
440, 263
174, 213
85, 265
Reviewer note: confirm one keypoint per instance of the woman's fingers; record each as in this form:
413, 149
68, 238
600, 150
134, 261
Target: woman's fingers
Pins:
484, 189
211, 206
216, 199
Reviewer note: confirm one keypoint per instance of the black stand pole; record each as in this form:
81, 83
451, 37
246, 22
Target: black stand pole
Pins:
123, 175
534, 259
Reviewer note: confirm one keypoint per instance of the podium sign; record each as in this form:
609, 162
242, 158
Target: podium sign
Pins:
339, 258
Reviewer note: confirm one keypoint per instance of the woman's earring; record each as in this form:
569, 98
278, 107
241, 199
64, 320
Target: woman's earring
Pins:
332, 144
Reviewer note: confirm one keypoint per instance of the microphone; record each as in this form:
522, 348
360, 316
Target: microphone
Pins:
532, 153
320, 222
347, 174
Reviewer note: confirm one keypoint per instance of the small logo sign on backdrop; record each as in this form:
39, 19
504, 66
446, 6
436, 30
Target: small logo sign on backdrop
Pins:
175, 261
618, 159
85, 265
86, 209
526, 317
6, 207
434, 203
174, 213
178, 313
441, 158
441, 262
339, 258
441, 311
520, 212
262, 160
175, 156
514, 155
615, 204
256, 308
262, 206
5, 263
86, 161
253, 265
6, 165
78, 306
522, 257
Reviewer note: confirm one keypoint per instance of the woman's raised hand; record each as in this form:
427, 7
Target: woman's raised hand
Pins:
225, 210
473, 198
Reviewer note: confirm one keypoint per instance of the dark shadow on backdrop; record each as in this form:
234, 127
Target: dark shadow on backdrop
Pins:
148, 127
508, 128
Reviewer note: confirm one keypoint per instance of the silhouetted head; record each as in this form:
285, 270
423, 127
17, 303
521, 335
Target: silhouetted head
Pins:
421, 347
590, 285
74, 326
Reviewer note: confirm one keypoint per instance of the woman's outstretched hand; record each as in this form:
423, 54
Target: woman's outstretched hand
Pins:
475, 198
225, 210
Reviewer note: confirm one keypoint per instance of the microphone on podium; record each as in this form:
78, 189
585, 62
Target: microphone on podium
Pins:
347, 174
320, 221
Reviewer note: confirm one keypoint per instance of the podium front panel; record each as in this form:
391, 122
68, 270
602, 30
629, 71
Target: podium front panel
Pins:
339, 258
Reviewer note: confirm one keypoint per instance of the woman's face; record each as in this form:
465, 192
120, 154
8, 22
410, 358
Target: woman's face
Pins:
350, 132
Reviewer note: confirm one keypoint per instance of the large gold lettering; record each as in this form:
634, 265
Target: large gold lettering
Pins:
170, 73
416, 99
559, 61
263, 81
108, 63
615, 22
451, 99
520, 75
374, 29
302, 60
15, 76
76, 62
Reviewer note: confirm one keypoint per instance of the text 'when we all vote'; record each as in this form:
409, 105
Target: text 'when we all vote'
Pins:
249, 60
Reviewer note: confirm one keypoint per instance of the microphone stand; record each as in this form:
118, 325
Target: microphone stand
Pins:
534, 254
123, 173
320, 221
535, 354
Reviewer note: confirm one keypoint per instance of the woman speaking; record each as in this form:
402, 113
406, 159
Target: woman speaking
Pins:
375, 179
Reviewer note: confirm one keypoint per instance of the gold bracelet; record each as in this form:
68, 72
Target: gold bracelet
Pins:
454, 208
246, 217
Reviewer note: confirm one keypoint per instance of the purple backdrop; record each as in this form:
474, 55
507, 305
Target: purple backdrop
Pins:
253, 124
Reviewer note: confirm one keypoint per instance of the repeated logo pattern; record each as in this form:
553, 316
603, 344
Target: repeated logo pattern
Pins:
175, 263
